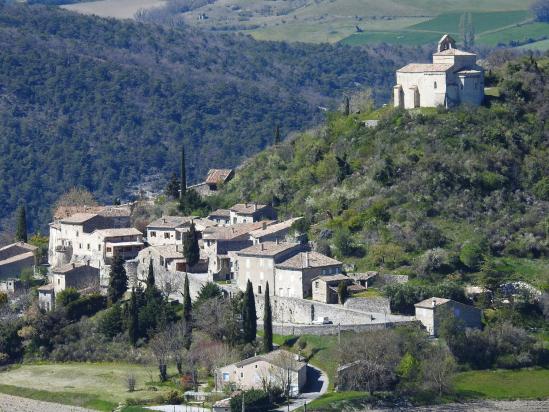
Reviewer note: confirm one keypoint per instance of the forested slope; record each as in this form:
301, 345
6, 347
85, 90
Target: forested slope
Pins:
434, 194
102, 103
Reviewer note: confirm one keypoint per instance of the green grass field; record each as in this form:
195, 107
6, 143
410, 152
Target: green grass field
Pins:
94, 385
486, 21
504, 384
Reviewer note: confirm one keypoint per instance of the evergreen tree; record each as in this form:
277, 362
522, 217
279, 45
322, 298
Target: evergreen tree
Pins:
183, 184
118, 282
191, 250
151, 283
267, 322
172, 189
187, 313
249, 316
21, 228
111, 324
277, 135
347, 107
133, 318
342, 292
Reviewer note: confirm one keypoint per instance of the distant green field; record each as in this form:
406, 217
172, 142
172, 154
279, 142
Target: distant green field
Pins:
449, 22
519, 33
404, 38
542, 45
504, 384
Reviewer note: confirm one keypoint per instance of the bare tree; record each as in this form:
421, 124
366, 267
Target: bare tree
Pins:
161, 347
211, 317
283, 372
370, 359
169, 283
439, 368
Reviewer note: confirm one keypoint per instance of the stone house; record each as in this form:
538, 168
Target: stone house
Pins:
46, 297
325, 287
74, 275
220, 216
452, 79
164, 230
214, 179
250, 212
11, 286
430, 312
15, 258
218, 243
224, 405
279, 368
276, 232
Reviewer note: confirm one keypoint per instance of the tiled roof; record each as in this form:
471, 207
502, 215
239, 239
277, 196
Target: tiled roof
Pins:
170, 222
47, 288
453, 52
220, 212
363, 276
79, 218
333, 278
425, 67
216, 176
267, 249
274, 358
277, 227
247, 208
68, 267
305, 260
169, 251
428, 303
64, 212
469, 71
231, 232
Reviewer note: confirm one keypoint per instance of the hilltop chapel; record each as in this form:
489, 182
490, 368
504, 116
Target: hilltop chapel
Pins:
452, 79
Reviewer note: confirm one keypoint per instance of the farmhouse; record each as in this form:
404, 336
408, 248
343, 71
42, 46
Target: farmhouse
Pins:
452, 79
279, 368
15, 258
430, 312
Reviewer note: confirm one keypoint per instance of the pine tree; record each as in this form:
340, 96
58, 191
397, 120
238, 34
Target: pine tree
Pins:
249, 315
187, 313
267, 322
172, 188
277, 135
133, 321
183, 184
191, 250
118, 282
21, 229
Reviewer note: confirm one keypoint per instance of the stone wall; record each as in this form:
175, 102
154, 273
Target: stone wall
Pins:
298, 330
375, 304
387, 279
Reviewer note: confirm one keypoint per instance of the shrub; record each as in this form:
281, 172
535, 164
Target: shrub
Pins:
173, 397
471, 254
254, 401
85, 306
67, 296
541, 189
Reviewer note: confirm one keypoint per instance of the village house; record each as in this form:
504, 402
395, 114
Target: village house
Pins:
15, 258
276, 232
453, 78
223, 405
325, 287
251, 212
12, 286
214, 179
279, 368
219, 242
46, 297
430, 312
221, 216
75, 275
168, 230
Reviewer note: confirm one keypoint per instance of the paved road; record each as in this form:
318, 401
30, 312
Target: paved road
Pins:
481, 406
317, 384
9, 403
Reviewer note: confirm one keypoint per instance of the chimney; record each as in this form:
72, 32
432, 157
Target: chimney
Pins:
164, 220
88, 262
255, 207
73, 265
277, 241
262, 248
264, 225
306, 259
434, 303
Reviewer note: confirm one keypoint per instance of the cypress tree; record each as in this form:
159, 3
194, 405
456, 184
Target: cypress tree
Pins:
342, 292
21, 228
191, 250
347, 109
183, 184
249, 315
172, 188
150, 276
118, 282
267, 322
133, 321
277, 135
187, 313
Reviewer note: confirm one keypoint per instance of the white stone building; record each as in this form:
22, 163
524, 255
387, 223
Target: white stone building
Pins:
168, 230
453, 78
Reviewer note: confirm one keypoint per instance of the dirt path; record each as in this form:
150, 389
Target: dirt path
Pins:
10, 403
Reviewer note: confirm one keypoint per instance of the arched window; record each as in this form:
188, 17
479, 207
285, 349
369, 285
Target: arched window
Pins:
435, 85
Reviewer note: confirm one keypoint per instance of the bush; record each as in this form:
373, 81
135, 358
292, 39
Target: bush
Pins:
86, 306
173, 397
67, 296
254, 401
471, 254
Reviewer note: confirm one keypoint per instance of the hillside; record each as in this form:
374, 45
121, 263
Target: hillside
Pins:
105, 103
435, 194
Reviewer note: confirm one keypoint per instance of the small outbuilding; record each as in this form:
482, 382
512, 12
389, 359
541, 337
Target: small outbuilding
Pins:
430, 312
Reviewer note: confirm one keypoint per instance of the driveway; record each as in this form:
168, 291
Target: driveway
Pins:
9, 403
317, 384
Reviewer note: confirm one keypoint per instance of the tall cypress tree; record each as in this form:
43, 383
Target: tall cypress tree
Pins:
191, 250
150, 276
187, 313
277, 135
118, 282
249, 315
21, 228
133, 321
347, 108
183, 184
267, 322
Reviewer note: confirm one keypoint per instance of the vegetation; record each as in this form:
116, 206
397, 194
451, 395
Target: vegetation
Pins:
21, 228
249, 315
118, 280
102, 104
267, 322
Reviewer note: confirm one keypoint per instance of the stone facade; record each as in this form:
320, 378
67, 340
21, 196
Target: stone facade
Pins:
75, 275
324, 288
46, 297
250, 212
15, 258
452, 79
431, 312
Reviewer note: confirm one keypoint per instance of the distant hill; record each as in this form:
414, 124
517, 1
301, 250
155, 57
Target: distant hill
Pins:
430, 193
104, 103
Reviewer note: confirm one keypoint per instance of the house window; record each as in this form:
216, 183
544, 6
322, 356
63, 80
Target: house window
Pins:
166, 235
180, 267
58, 281
99, 247
241, 375
80, 245
435, 85
153, 234
317, 284
89, 247
225, 377
109, 250
259, 289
